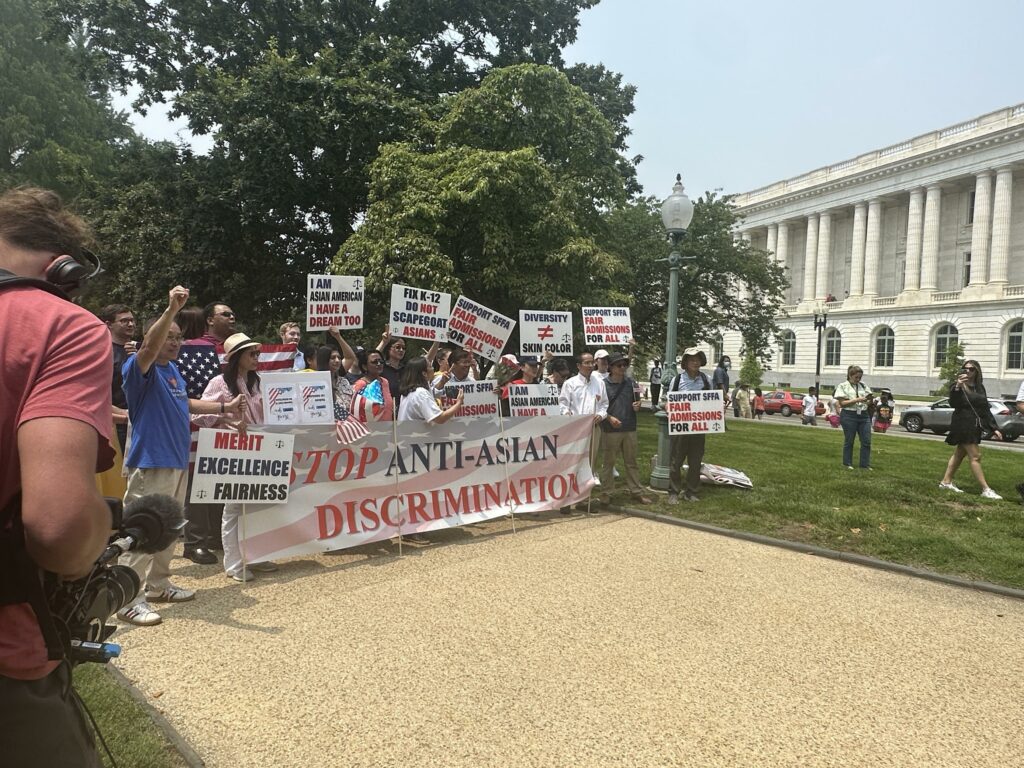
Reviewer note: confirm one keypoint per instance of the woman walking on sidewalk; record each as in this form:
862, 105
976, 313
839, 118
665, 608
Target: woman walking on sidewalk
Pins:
970, 414
855, 416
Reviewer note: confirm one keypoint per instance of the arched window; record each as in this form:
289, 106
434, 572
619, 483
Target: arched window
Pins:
833, 347
788, 348
717, 347
1015, 346
945, 337
885, 347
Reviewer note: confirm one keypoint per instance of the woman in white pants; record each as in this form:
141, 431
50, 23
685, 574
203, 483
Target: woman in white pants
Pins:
239, 378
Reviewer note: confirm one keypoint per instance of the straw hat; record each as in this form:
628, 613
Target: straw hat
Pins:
237, 342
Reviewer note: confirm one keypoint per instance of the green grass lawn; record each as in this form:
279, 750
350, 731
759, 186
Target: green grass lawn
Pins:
132, 737
896, 513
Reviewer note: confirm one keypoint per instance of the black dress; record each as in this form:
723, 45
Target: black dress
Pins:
970, 414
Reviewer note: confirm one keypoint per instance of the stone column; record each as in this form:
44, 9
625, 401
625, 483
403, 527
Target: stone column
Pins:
824, 268
810, 257
743, 291
857, 258
982, 229
782, 245
773, 239
999, 270
872, 247
912, 265
930, 245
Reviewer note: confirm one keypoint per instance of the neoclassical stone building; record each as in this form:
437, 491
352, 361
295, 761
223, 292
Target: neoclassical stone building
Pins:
919, 245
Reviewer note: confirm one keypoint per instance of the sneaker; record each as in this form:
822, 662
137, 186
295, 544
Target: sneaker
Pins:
171, 594
849, 466
643, 499
691, 496
673, 498
988, 493
140, 614
949, 487
416, 538
267, 567
243, 575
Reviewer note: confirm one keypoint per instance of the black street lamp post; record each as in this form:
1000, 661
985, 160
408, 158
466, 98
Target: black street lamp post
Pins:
820, 323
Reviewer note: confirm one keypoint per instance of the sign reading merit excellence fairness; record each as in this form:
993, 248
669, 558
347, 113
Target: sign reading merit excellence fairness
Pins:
606, 325
695, 413
480, 330
334, 301
543, 331
255, 467
419, 314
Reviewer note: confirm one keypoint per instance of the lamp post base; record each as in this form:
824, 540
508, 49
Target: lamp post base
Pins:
659, 474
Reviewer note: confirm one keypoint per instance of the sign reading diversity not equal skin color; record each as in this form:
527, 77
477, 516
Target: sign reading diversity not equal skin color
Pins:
480, 330
419, 314
606, 325
334, 301
255, 467
695, 413
542, 331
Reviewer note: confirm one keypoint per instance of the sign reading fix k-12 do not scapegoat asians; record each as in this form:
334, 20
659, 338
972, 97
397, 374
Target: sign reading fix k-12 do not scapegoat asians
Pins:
419, 314
695, 413
480, 330
545, 331
255, 467
606, 325
334, 301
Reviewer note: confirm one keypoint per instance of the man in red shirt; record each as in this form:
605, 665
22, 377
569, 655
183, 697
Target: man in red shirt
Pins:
54, 418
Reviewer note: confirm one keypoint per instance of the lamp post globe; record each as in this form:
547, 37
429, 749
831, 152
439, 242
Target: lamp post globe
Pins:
676, 215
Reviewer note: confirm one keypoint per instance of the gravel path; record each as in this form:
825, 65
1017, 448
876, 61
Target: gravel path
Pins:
589, 641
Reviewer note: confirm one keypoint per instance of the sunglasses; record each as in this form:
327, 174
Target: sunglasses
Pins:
968, 368
228, 315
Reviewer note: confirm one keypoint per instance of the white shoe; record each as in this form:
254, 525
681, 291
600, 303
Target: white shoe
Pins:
950, 487
265, 567
242, 575
988, 493
171, 594
140, 614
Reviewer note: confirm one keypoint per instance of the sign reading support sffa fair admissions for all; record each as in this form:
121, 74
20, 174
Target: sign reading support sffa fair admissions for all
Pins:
480, 330
695, 413
297, 398
334, 301
533, 399
419, 314
255, 467
541, 332
606, 325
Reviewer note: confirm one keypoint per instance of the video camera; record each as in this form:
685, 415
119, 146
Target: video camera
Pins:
80, 608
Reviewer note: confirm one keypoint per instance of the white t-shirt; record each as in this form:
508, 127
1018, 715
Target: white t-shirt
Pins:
418, 404
1020, 393
809, 402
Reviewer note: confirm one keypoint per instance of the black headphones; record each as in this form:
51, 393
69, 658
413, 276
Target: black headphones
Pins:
69, 274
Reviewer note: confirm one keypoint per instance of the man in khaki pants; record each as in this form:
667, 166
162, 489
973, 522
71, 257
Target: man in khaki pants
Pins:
620, 430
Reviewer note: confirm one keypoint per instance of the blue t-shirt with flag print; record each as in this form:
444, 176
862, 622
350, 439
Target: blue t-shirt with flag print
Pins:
158, 409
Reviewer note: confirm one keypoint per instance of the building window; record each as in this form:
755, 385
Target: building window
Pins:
966, 276
945, 337
833, 347
1015, 346
717, 349
885, 348
970, 208
788, 348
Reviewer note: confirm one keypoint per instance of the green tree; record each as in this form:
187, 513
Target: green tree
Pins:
751, 372
950, 367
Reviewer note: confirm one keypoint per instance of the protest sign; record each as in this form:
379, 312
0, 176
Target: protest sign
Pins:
334, 300
419, 314
479, 329
699, 413
478, 398
540, 332
606, 325
412, 478
298, 398
255, 467
533, 400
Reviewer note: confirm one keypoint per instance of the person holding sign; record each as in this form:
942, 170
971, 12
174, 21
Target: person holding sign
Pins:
585, 394
371, 394
418, 397
529, 373
620, 430
689, 447
240, 379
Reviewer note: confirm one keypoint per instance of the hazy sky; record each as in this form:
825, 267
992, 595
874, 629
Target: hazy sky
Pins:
738, 95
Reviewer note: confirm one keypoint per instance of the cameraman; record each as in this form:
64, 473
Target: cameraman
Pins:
55, 425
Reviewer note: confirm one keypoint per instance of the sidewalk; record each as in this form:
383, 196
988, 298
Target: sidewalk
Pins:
587, 641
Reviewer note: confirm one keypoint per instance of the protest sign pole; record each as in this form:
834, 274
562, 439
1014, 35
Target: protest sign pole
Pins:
394, 432
590, 451
508, 480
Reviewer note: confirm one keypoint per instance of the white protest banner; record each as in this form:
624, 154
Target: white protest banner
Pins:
419, 314
478, 398
425, 478
540, 332
606, 325
698, 413
255, 467
334, 300
479, 329
533, 400
298, 398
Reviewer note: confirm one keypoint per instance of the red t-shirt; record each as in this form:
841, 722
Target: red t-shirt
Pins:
56, 362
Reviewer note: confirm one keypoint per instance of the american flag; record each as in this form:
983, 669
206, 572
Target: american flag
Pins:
349, 430
198, 364
277, 357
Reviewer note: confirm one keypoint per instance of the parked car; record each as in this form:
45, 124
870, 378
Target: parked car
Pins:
939, 415
787, 403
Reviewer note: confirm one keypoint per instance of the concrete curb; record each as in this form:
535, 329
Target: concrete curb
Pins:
182, 747
846, 557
